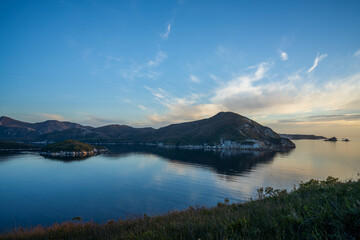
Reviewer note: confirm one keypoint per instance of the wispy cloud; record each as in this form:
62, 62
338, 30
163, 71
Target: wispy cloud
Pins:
167, 31
357, 53
143, 70
316, 62
183, 113
160, 56
322, 118
158, 93
242, 85
178, 109
251, 95
49, 116
194, 78
284, 96
142, 107
283, 55
133, 71
213, 77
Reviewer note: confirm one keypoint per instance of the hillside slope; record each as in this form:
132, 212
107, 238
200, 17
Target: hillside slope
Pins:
225, 128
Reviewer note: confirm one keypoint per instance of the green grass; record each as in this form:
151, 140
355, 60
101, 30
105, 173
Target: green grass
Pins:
70, 146
315, 210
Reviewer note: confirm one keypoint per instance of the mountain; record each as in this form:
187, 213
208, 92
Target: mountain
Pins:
11, 129
224, 130
124, 132
9, 122
110, 133
42, 127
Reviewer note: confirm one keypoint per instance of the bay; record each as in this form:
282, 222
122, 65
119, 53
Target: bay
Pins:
131, 181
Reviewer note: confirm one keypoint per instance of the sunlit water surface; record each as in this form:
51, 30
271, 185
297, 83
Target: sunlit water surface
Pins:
132, 181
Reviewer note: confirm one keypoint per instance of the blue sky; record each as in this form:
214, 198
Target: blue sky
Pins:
292, 65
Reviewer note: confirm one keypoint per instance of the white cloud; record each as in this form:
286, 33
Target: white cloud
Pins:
167, 32
293, 94
250, 95
158, 93
316, 62
142, 107
242, 85
293, 77
357, 53
194, 79
160, 56
183, 113
283, 55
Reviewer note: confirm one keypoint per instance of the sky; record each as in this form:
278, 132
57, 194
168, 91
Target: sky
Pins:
290, 65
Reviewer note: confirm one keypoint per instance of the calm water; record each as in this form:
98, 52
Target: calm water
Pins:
130, 182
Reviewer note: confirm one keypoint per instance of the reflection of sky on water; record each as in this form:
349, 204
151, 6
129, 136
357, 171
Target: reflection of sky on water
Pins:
131, 182
311, 159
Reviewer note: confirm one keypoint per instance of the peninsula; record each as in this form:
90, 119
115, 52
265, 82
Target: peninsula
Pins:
302, 136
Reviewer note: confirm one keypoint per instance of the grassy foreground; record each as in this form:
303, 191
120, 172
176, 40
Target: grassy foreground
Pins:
315, 210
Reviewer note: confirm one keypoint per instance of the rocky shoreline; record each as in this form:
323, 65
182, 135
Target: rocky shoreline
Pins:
250, 145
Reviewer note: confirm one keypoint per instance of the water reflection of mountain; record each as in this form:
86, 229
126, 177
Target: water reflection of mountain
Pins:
227, 162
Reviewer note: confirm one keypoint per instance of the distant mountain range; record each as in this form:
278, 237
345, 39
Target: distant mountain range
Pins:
224, 130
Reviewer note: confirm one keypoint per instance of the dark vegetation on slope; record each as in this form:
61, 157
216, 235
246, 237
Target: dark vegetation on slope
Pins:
224, 125
316, 210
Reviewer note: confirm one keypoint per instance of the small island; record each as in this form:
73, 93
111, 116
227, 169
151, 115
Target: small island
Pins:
333, 139
71, 149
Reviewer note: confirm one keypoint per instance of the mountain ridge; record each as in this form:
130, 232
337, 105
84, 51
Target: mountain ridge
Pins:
43, 127
223, 130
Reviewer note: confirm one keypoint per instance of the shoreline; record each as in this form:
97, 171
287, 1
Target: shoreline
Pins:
250, 145
254, 146
72, 154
